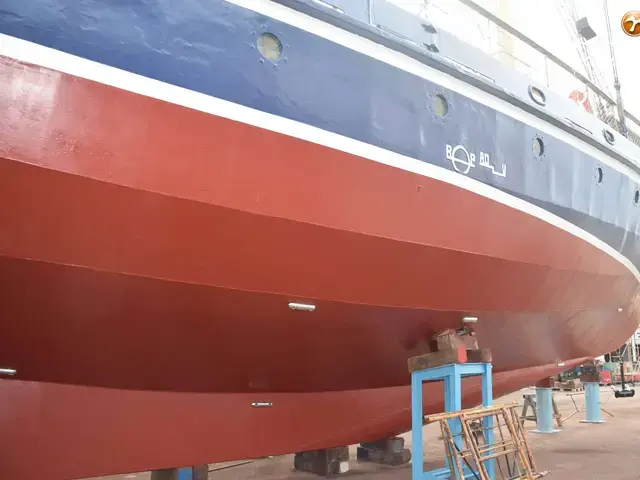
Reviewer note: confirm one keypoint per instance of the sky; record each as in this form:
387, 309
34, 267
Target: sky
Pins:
542, 21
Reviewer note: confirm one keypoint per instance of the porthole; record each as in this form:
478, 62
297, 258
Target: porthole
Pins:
636, 197
537, 95
608, 136
599, 175
538, 146
269, 46
440, 106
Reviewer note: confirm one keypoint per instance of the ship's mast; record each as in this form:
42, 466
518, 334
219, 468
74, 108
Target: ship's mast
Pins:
616, 79
505, 40
567, 9
622, 114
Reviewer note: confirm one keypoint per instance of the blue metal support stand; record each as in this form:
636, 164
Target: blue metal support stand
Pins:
544, 411
452, 376
592, 403
185, 473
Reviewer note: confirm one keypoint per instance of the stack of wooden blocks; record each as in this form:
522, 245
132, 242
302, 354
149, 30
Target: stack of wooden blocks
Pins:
590, 372
449, 347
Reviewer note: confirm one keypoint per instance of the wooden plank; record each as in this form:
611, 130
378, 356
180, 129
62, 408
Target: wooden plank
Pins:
511, 419
520, 434
446, 340
452, 455
471, 413
214, 467
437, 359
479, 356
450, 339
471, 441
547, 382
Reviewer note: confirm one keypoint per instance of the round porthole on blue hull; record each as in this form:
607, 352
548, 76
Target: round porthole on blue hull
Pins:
538, 146
269, 46
440, 106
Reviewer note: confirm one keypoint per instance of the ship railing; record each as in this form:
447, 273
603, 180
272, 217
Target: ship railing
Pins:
467, 36
478, 26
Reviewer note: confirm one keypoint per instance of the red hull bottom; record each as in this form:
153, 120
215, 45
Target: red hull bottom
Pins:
57, 432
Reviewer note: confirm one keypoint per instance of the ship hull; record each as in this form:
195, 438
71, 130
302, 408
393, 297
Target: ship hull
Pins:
123, 293
154, 235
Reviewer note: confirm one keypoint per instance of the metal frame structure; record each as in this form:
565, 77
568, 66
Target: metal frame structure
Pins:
452, 376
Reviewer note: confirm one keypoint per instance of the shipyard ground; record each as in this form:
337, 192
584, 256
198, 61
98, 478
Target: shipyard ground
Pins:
585, 451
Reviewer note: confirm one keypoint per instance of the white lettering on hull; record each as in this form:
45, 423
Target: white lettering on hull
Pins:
463, 160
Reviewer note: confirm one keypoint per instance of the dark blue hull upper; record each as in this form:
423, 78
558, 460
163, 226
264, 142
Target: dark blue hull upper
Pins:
209, 46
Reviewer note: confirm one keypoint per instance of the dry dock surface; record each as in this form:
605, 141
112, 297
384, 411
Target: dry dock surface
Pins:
610, 451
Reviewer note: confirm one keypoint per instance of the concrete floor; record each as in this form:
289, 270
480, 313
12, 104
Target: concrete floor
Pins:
581, 451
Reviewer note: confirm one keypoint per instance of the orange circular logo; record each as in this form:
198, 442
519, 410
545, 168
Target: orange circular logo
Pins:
631, 23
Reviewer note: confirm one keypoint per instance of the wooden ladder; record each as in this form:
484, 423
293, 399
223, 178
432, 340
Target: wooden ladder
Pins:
510, 451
